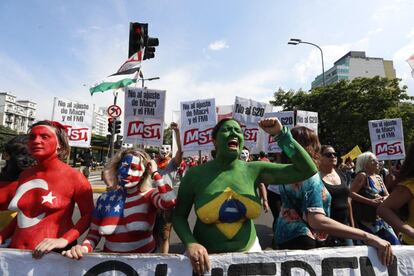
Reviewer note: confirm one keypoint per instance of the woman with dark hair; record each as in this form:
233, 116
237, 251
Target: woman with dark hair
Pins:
46, 195
304, 218
17, 158
338, 187
368, 191
125, 215
224, 192
402, 194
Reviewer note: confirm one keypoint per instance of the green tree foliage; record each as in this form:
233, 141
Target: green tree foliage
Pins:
5, 135
344, 109
167, 138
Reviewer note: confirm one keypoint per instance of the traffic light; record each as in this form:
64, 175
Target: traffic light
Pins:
110, 125
150, 43
136, 38
117, 127
139, 39
118, 142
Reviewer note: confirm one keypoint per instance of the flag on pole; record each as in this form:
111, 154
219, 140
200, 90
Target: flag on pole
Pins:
353, 153
126, 75
410, 61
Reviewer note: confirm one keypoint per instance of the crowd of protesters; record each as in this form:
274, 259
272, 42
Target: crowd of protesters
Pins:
316, 199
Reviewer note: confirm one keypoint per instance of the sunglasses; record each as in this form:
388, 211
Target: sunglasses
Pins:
330, 154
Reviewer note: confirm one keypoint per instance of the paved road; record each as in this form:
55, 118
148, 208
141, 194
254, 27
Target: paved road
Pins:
263, 223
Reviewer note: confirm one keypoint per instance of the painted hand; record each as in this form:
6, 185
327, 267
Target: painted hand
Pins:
48, 245
174, 126
152, 166
199, 258
271, 126
76, 252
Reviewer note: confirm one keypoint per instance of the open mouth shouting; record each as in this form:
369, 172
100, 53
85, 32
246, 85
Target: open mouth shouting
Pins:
233, 144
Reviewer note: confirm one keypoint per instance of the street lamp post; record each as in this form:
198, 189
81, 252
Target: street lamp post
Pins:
296, 41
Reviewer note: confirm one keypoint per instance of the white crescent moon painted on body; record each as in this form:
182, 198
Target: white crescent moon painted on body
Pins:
24, 221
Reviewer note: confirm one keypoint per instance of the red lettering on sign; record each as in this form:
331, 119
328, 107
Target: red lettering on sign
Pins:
390, 149
200, 137
138, 128
271, 139
76, 134
205, 136
250, 134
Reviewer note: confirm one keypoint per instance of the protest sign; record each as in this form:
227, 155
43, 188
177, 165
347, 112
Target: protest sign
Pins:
198, 119
387, 139
248, 113
224, 111
352, 260
144, 116
287, 120
307, 119
77, 119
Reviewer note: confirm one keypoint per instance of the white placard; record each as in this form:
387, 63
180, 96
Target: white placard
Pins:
307, 119
144, 116
287, 118
248, 112
198, 119
224, 111
358, 260
77, 119
387, 139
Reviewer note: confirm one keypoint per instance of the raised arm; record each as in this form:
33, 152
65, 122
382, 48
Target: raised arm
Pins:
178, 157
165, 197
302, 166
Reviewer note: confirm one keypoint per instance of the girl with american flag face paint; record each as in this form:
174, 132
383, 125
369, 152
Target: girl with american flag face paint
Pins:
125, 215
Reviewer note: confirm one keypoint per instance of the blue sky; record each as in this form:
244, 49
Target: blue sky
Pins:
208, 49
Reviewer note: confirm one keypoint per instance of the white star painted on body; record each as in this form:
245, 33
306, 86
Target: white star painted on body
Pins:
49, 198
103, 196
119, 198
117, 208
107, 208
112, 198
125, 164
99, 206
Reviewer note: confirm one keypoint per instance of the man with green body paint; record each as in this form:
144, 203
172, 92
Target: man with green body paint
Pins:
224, 192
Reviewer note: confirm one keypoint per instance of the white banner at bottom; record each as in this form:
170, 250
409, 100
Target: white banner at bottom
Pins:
357, 261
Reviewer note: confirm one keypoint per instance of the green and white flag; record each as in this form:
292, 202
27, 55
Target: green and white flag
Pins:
126, 75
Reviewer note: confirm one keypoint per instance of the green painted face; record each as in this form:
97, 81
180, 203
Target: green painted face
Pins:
229, 140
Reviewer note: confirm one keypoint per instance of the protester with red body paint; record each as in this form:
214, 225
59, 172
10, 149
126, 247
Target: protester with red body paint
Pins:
46, 195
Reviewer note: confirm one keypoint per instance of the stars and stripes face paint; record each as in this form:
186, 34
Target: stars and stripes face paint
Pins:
130, 171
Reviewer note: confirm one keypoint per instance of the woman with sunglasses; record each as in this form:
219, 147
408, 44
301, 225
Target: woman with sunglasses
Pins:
337, 185
368, 191
304, 217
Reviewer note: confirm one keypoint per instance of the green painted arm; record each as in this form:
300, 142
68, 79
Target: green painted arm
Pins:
302, 166
185, 201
